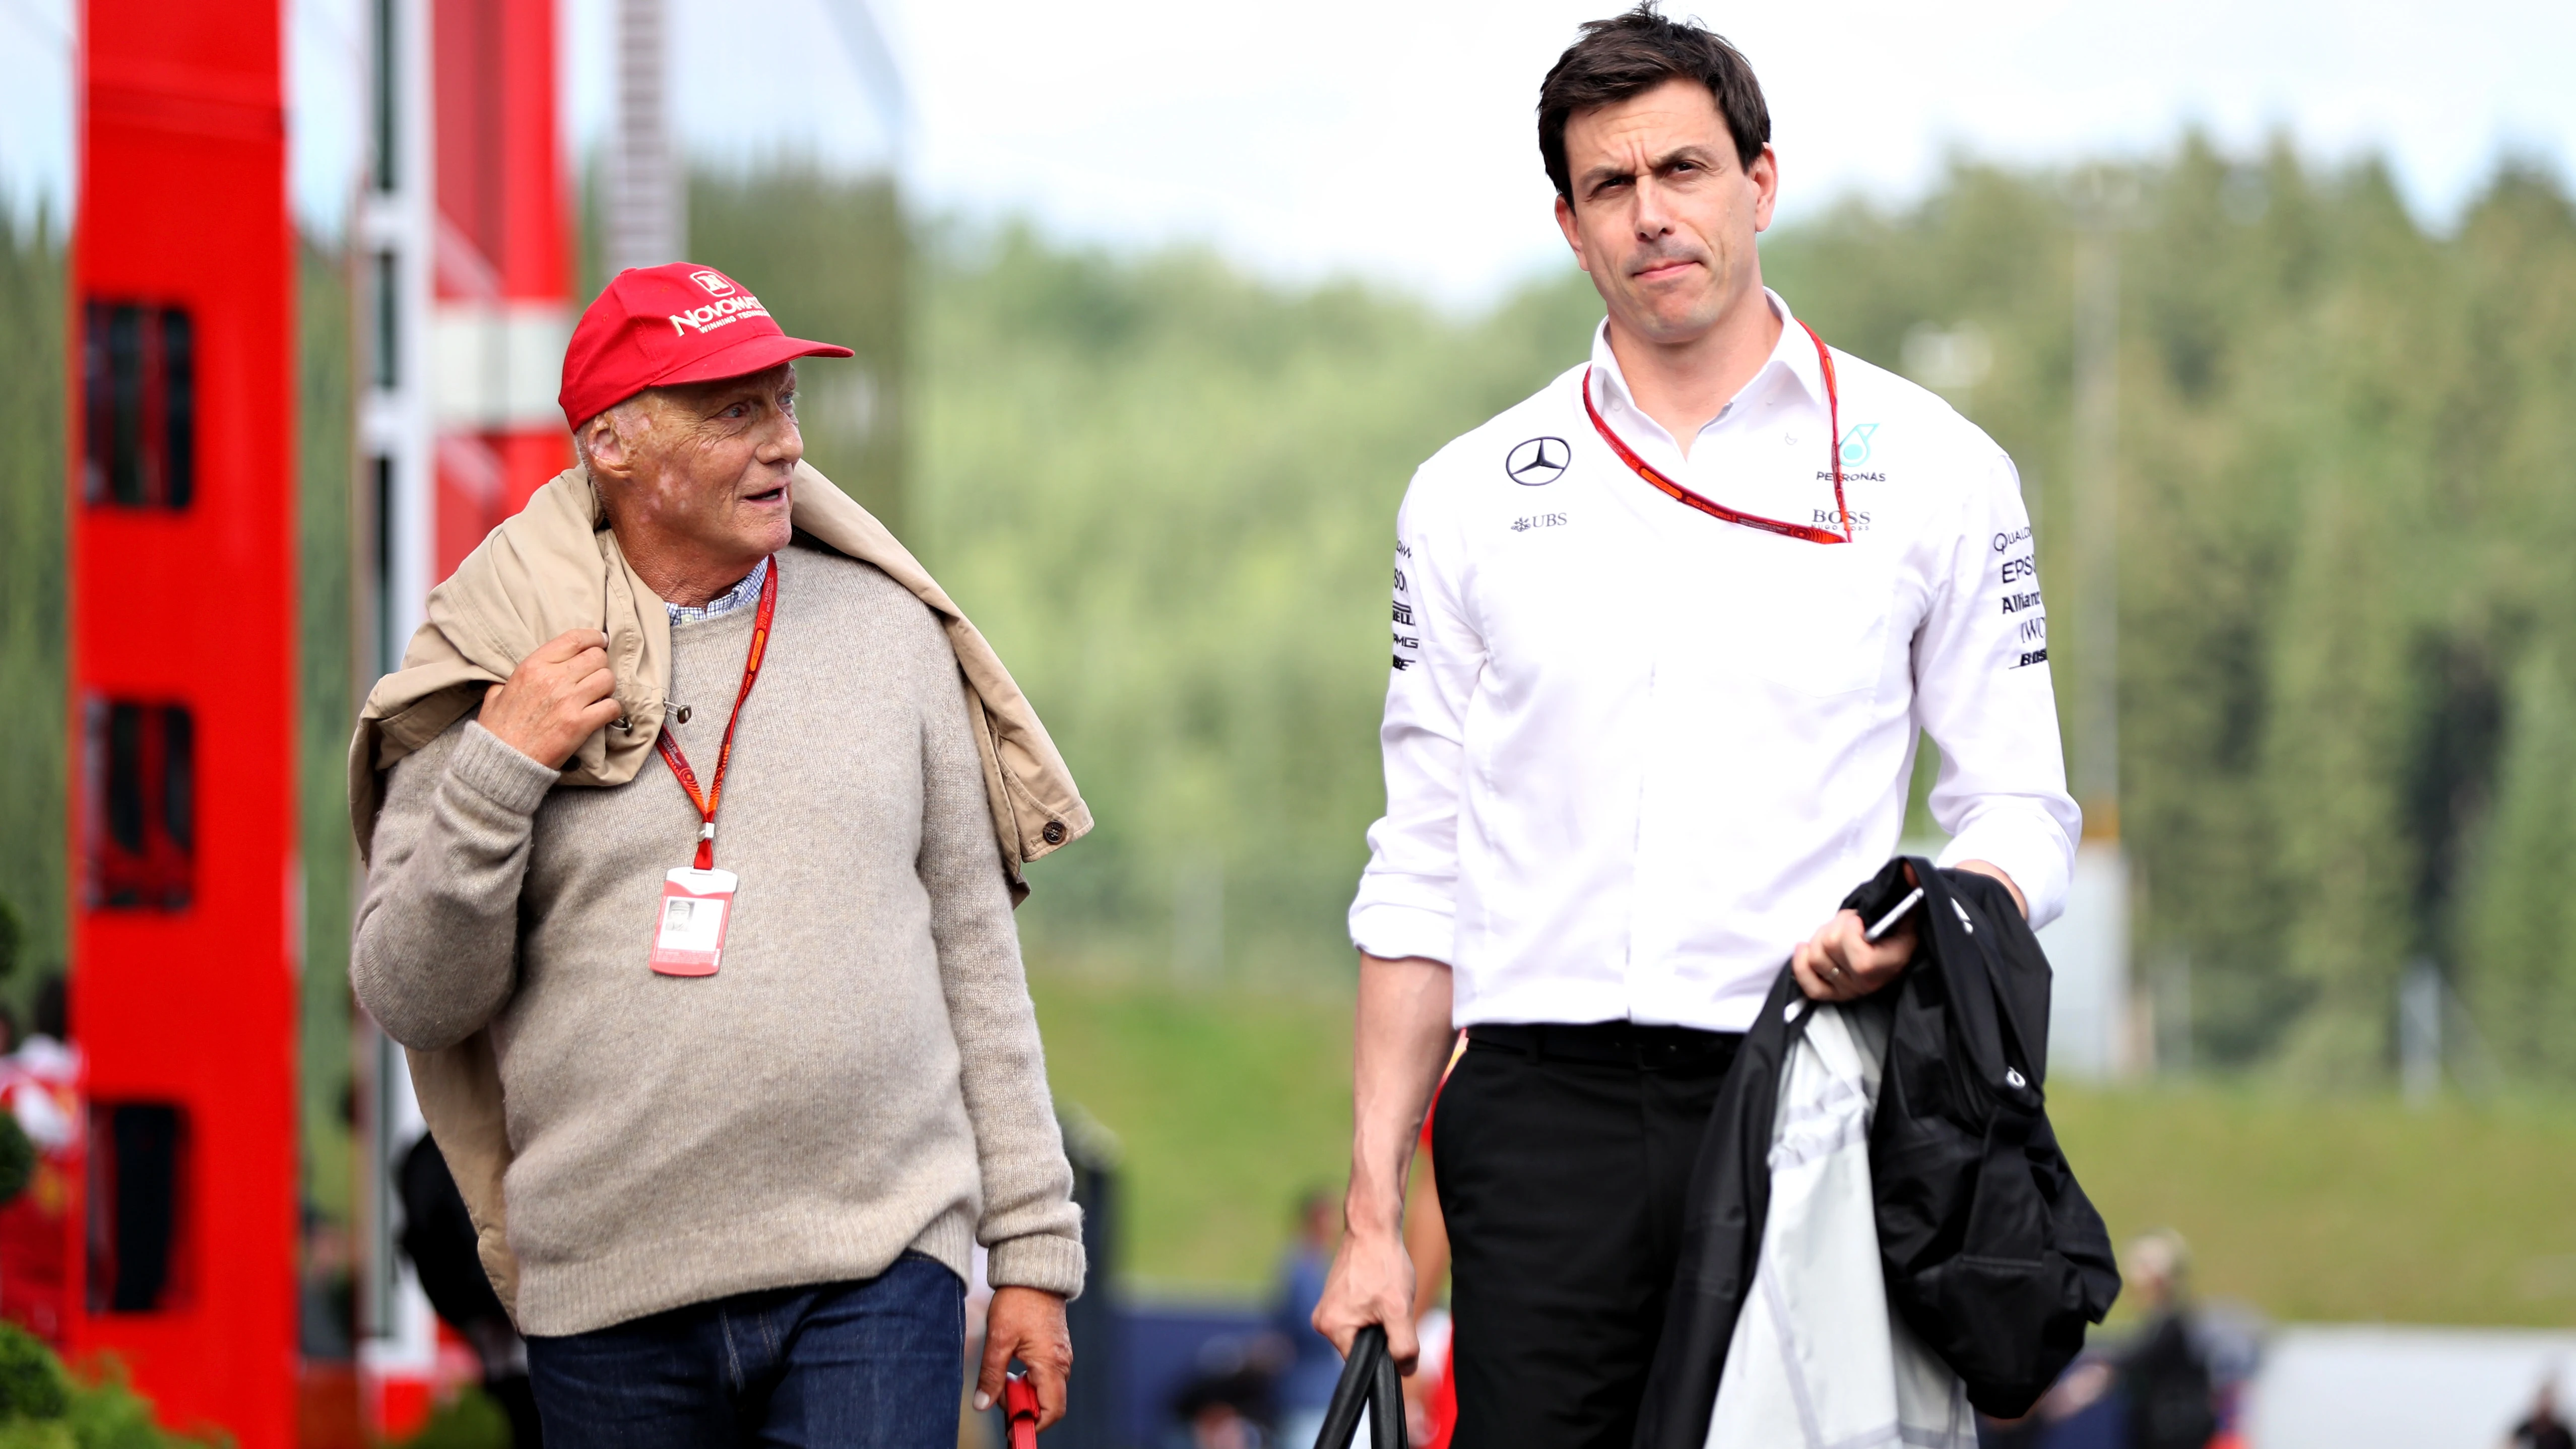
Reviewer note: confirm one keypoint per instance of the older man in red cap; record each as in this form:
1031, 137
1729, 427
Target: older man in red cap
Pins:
751, 1100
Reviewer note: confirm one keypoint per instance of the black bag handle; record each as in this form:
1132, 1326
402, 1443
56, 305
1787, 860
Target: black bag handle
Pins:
1368, 1382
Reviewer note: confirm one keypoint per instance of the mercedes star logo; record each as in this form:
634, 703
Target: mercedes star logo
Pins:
1537, 462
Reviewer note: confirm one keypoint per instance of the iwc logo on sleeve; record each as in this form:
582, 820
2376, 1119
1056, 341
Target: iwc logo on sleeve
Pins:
1538, 462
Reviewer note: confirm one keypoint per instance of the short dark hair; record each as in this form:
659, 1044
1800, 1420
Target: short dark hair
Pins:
1629, 55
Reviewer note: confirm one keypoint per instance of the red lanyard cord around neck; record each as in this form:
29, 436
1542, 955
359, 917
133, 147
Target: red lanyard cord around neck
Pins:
707, 800
1715, 509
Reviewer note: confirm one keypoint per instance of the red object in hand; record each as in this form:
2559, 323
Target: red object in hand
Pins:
1020, 1410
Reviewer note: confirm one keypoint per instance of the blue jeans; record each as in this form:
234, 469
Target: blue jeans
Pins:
877, 1364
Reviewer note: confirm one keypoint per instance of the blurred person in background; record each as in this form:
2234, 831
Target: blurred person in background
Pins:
438, 1238
1305, 1387
2164, 1374
2542, 1428
41, 1090
757, 1117
1663, 638
1230, 1399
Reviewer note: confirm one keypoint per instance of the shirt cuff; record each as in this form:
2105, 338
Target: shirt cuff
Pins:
1392, 932
2035, 853
1043, 1261
492, 768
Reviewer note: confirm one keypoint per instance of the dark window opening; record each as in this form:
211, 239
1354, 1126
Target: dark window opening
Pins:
138, 1207
387, 98
142, 769
384, 580
138, 405
178, 408
388, 322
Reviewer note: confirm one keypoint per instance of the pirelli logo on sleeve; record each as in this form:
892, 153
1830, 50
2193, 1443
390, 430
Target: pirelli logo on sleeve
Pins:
1407, 631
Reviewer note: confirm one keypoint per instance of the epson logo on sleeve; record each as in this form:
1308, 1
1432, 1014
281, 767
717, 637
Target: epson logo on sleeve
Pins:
1537, 462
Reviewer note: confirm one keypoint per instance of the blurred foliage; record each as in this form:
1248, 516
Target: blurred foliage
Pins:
2349, 1207
1167, 493
2346, 496
43, 1407
1227, 1105
32, 1382
32, 604
326, 518
2345, 501
17, 1158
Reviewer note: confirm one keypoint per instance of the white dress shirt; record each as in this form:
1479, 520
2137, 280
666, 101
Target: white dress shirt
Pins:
1635, 754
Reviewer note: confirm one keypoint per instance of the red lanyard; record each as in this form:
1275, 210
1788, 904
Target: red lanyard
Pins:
1714, 509
707, 800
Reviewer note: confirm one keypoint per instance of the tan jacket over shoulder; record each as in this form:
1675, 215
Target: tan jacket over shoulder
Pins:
556, 566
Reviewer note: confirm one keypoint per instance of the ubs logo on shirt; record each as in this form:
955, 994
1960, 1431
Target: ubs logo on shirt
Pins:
1538, 462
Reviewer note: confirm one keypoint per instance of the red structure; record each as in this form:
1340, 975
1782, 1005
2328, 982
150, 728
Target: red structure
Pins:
182, 831
466, 221
501, 266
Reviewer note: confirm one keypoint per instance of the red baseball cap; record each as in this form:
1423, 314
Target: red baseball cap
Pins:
675, 323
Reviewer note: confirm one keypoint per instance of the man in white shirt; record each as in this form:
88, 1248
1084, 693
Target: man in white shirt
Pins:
1664, 637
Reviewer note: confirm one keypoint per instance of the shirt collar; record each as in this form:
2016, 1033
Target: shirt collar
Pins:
724, 603
1794, 354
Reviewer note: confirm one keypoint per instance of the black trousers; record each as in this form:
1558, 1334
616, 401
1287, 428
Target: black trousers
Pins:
1562, 1154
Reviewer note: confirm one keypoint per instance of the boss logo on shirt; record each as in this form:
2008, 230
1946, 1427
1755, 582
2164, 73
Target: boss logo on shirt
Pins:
1538, 462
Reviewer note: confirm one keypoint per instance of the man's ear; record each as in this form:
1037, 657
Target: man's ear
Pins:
1764, 173
1573, 238
608, 448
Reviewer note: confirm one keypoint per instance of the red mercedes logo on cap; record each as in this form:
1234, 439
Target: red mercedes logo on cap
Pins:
654, 326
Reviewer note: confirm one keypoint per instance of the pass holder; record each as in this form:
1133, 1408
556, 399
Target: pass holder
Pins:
697, 906
697, 899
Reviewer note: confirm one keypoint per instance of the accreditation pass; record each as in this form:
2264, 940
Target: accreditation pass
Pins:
697, 905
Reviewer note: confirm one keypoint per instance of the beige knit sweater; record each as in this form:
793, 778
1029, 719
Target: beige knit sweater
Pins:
864, 1073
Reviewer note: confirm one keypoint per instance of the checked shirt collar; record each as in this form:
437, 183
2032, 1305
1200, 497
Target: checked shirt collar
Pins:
746, 592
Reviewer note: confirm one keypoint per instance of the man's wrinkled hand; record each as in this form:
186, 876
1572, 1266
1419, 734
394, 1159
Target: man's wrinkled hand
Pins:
1026, 1324
1371, 1282
559, 696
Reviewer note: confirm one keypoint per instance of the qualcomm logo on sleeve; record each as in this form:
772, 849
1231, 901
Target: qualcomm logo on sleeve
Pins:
1856, 443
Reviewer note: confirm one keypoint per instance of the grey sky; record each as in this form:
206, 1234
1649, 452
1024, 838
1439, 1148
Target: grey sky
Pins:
1394, 141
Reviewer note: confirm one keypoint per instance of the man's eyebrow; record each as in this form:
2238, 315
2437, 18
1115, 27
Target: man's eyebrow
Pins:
1608, 171
1694, 152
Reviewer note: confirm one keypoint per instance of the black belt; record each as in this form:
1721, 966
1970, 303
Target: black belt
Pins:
1612, 1043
